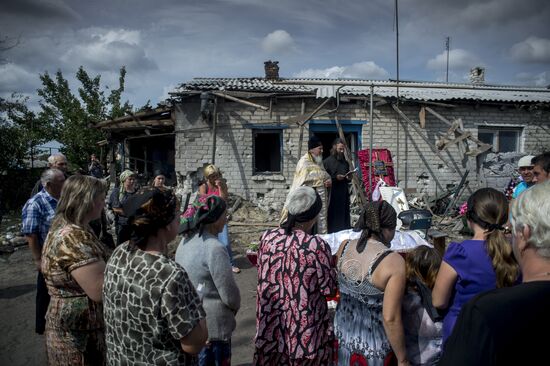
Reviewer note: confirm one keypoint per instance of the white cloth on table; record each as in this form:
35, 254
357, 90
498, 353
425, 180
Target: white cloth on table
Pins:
403, 240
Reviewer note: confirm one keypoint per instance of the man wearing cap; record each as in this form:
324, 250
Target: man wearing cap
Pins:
525, 169
310, 172
338, 168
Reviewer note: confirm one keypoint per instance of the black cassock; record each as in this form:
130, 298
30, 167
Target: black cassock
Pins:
338, 208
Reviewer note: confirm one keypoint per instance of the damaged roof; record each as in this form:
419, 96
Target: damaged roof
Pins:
412, 90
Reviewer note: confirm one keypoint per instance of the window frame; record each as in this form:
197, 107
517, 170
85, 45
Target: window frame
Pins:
264, 131
496, 130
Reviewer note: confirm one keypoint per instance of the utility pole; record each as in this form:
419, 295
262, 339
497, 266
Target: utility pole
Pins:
398, 122
448, 48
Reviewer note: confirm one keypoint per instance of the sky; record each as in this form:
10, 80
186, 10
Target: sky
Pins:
163, 43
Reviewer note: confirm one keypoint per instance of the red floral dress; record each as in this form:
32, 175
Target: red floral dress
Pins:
295, 273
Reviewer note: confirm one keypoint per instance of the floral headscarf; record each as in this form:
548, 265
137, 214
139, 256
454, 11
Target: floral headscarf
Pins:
205, 210
123, 176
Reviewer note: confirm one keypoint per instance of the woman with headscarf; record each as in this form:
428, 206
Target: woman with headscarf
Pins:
295, 275
372, 283
116, 200
206, 261
73, 261
214, 184
153, 315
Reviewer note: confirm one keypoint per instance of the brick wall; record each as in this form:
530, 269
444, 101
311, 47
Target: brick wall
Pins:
419, 168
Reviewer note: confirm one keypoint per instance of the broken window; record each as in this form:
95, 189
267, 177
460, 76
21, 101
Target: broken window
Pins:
267, 151
503, 139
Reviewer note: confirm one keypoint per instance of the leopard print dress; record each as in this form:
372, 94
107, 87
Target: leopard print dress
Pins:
149, 305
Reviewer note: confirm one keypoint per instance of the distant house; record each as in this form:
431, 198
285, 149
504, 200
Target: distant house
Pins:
255, 129
143, 142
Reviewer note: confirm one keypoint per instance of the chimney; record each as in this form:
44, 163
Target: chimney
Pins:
271, 70
477, 75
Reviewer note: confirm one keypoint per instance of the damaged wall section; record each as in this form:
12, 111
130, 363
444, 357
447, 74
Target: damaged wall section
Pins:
420, 169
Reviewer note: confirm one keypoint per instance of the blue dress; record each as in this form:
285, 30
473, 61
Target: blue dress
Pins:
358, 320
475, 272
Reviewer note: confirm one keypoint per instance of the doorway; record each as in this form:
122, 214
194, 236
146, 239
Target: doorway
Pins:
327, 132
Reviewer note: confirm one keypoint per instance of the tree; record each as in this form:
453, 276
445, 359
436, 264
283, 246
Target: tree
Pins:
73, 118
20, 132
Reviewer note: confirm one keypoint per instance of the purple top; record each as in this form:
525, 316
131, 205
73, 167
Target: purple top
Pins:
475, 274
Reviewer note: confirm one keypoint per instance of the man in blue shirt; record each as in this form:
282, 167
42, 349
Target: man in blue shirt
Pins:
38, 214
525, 168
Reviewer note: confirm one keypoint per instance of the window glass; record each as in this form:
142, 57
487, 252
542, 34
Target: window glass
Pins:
487, 137
508, 141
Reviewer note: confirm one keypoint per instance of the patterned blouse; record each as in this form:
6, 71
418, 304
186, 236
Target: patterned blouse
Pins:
149, 305
295, 273
66, 249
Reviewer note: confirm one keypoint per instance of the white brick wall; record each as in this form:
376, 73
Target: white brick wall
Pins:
414, 158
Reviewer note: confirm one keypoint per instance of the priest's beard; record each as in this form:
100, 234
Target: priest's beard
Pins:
339, 156
318, 159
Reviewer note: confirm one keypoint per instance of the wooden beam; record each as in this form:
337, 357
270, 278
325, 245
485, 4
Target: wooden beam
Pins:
355, 183
445, 144
214, 127
482, 146
302, 119
132, 116
238, 100
141, 124
419, 132
422, 117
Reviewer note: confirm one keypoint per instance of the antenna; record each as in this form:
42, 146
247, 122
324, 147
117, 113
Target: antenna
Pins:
448, 48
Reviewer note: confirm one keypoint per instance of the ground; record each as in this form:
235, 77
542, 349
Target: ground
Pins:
19, 345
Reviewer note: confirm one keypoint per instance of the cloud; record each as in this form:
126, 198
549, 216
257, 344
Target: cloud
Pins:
529, 78
532, 50
278, 41
459, 59
39, 9
105, 49
360, 70
14, 78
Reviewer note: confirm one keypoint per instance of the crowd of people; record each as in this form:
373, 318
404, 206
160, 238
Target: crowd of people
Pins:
130, 302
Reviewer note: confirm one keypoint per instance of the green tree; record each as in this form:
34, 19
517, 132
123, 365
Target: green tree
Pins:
20, 132
73, 118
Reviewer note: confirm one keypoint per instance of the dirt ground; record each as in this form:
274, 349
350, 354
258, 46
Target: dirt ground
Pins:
19, 345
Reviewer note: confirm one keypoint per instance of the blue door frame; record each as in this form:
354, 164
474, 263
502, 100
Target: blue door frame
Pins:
348, 126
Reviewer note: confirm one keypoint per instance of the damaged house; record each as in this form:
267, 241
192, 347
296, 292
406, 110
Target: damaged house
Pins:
256, 129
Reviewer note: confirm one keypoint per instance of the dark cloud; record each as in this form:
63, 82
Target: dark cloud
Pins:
39, 10
168, 42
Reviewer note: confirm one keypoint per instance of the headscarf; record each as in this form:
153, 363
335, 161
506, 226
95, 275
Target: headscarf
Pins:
373, 218
205, 210
148, 210
123, 176
303, 216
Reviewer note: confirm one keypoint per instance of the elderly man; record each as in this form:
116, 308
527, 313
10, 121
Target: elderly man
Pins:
495, 325
541, 167
310, 172
37, 215
55, 161
338, 169
525, 169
